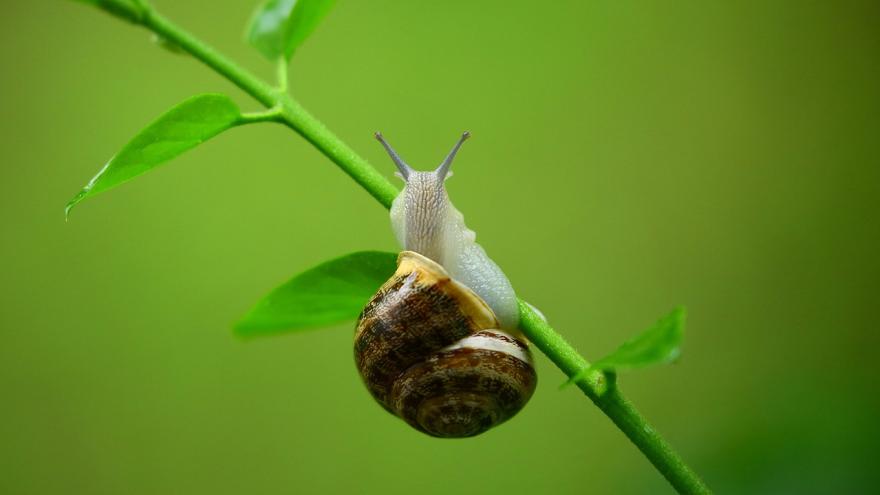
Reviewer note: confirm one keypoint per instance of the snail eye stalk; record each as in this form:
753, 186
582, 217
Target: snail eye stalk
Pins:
404, 169
443, 170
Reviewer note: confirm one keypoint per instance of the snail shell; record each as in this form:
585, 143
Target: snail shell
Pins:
430, 351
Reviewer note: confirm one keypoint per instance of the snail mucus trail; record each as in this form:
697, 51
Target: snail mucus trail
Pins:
438, 344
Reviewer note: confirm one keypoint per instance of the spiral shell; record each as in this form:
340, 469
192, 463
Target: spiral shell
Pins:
430, 352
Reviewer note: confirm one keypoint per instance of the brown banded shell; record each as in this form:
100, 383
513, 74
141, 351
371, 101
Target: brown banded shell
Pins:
429, 350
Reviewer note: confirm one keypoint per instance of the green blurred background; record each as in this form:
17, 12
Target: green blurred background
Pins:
627, 157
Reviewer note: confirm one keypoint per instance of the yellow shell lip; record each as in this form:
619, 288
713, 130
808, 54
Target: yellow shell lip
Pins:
432, 273
414, 258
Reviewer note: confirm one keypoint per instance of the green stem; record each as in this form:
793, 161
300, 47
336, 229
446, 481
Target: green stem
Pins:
600, 387
271, 115
297, 118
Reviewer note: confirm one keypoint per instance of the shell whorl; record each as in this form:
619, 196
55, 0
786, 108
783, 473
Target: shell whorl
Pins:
430, 352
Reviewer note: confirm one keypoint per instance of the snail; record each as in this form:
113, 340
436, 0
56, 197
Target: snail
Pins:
438, 344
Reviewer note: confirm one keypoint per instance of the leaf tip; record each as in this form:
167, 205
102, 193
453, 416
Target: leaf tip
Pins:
73, 202
243, 327
240, 330
679, 313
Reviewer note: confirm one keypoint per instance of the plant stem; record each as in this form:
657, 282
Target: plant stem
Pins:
599, 386
271, 115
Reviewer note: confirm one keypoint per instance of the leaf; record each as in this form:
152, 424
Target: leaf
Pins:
657, 345
183, 127
278, 27
330, 293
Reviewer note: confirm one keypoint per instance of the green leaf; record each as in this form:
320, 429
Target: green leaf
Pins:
657, 345
278, 27
330, 293
129, 10
183, 127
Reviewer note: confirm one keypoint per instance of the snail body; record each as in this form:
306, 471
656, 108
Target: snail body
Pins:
437, 345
